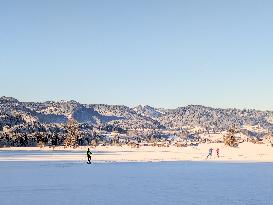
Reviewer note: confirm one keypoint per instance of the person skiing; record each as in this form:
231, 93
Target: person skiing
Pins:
210, 153
218, 152
88, 153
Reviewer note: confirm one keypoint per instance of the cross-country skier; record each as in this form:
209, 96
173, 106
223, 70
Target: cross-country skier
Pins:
210, 153
88, 153
218, 152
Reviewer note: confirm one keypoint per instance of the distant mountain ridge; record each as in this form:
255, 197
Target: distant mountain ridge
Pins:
140, 117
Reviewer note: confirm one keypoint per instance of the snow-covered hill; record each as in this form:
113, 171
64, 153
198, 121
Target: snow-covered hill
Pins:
14, 112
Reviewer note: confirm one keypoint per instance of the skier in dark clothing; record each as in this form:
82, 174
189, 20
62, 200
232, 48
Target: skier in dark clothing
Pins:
88, 153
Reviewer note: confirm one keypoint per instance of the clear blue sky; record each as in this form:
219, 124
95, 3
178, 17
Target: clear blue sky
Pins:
162, 53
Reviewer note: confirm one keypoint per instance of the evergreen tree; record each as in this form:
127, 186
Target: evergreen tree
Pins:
230, 139
72, 137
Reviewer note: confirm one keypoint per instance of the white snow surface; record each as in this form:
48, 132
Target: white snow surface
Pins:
160, 183
245, 152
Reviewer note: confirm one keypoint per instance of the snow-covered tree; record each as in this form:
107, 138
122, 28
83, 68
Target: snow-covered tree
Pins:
72, 137
230, 139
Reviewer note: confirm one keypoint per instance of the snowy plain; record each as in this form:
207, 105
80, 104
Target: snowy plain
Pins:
246, 152
134, 183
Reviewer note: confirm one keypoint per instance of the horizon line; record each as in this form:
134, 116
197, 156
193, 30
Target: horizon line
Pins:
143, 105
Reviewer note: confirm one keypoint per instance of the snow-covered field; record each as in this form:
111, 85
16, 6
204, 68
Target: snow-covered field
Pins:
160, 183
246, 152
146, 175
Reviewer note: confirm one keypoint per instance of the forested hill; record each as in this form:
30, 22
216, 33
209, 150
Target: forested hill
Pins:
14, 112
